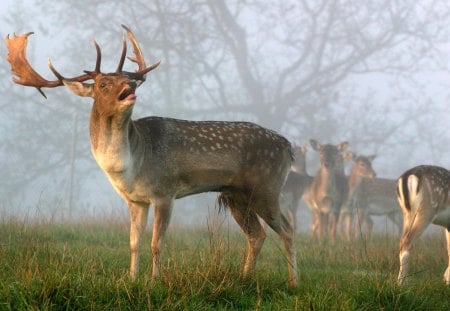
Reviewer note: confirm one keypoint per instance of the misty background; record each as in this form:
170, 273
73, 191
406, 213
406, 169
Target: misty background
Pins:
374, 73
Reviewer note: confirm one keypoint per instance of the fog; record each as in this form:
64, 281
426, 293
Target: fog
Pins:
373, 73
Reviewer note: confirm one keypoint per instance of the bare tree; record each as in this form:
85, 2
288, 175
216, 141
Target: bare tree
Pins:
329, 69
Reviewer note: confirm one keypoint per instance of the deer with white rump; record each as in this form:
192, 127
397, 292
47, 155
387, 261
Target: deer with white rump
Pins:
154, 160
424, 195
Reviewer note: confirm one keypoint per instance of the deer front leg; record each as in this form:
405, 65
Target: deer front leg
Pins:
447, 272
333, 219
348, 225
323, 226
162, 213
138, 221
341, 220
358, 222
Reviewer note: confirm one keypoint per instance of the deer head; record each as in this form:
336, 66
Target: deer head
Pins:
362, 166
299, 164
115, 91
331, 156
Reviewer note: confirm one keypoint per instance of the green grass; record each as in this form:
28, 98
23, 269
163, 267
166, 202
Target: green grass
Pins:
84, 267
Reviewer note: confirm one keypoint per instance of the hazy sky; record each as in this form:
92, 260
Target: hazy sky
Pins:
45, 44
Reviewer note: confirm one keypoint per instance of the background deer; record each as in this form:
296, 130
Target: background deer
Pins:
424, 196
154, 160
374, 197
328, 189
296, 184
361, 167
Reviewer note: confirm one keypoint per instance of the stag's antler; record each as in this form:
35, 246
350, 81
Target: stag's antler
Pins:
139, 58
26, 75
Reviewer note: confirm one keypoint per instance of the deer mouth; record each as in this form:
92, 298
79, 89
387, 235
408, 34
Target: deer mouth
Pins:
127, 94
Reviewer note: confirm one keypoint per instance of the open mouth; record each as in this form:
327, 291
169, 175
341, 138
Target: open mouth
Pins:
127, 93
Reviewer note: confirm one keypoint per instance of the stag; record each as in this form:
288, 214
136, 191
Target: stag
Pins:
361, 169
328, 189
154, 160
297, 182
423, 193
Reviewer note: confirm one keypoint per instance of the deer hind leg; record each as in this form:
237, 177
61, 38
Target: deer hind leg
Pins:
447, 272
414, 225
248, 220
268, 209
138, 221
344, 223
162, 213
293, 209
315, 224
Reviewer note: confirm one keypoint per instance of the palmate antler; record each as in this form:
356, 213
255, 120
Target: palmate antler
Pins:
27, 76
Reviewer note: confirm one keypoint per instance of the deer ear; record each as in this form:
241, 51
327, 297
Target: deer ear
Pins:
80, 88
315, 144
342, 146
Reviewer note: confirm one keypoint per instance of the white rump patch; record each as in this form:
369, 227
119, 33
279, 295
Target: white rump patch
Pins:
413, 183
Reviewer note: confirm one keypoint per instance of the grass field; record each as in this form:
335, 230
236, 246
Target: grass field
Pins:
50, 266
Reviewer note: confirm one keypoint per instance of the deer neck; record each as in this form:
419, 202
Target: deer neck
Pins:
327, 179
354, 179
112, 139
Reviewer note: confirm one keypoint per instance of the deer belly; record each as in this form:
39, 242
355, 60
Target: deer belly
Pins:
198, 181
383, 207
442, 218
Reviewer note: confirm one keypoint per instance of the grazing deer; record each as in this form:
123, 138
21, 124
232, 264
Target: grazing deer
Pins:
297, 182
361, 168
424, 196
328, 189
374, 197
154, 160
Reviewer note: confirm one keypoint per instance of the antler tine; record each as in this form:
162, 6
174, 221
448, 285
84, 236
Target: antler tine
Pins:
98, 62
122, 57
139, 58
99, 57
60, 77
